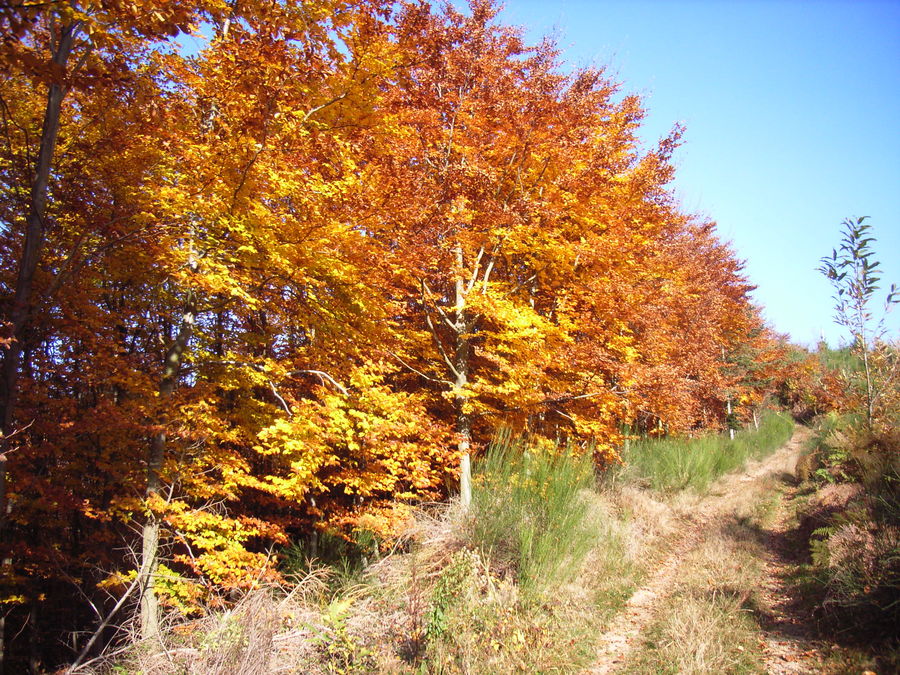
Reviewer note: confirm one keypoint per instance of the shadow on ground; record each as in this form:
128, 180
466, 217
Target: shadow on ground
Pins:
791, 609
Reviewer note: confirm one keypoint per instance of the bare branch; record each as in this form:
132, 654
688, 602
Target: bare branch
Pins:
440, 345
316, 109
419, 372
280, 399
321, 374
324, 376
102, 627
475, 269
487, 274
450, 324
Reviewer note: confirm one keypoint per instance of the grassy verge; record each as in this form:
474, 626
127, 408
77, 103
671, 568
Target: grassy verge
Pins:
671, 464
523, 582
529, 512
533, 587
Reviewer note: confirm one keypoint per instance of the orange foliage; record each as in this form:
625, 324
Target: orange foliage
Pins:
393, 229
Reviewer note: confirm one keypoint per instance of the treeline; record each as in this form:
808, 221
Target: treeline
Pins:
288, 282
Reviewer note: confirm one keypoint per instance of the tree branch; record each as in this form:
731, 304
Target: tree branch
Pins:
419, 372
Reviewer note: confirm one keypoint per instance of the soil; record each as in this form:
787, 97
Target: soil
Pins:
786, 627
789, 645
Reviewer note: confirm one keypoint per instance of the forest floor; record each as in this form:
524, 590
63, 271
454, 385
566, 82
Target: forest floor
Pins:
724, 593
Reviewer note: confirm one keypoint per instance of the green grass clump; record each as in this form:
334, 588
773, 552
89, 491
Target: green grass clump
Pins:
529, 513
546, 560
669, 464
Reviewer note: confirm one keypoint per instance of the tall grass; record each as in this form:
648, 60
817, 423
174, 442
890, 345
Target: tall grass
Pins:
670, 464
529, 512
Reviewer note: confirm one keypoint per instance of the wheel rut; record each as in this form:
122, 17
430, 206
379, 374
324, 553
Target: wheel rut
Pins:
787, 647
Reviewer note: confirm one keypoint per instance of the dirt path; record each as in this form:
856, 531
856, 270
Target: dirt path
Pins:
787, 647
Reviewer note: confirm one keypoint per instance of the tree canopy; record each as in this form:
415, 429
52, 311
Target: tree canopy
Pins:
289, 282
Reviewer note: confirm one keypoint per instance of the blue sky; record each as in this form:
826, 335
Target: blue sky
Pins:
792, 112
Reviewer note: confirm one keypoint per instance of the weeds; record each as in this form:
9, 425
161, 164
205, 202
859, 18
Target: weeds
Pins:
551, 561
855, 521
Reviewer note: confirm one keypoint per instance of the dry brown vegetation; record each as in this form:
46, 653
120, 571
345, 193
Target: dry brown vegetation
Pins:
437, 603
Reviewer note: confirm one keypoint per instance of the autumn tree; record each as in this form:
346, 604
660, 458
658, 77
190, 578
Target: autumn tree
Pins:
289, 280
530, 234
52, 55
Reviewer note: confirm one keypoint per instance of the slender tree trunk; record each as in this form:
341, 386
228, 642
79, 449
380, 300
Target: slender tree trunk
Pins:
20, 313
461, 363
149, 606
34, 651
35, 232
870, 394
728, 418
155, 459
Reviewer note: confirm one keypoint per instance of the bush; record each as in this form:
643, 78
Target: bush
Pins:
856, 551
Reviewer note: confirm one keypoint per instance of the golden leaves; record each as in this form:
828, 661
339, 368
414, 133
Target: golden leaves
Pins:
388, 246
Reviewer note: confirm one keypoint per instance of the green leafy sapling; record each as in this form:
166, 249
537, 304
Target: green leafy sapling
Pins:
853, 272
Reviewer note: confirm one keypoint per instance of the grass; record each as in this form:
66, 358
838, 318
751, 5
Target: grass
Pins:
545, 559
671, 464
708, 623
529, 511
524, 581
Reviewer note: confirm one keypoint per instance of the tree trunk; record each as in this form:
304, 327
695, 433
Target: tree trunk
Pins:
34, 648
870, 397
461, 363
149, 607
728, 418
35, 231
155, 461
20, 313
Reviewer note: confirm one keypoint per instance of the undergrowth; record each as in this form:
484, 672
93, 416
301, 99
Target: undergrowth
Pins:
853, 522
532, 587
529, 511
524, 581
671, 464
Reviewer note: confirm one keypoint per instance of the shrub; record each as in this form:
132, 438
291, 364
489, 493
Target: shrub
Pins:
856, 550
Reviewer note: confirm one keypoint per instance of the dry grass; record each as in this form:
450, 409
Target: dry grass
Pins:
435, 605
488, 625
439, 603
705, 625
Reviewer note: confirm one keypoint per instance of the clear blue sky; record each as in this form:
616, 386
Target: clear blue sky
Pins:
792, 111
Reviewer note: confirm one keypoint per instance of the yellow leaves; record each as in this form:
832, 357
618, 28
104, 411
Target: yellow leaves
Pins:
15, 599
302, 456
303, 228
179, 592
366, 444
117, 581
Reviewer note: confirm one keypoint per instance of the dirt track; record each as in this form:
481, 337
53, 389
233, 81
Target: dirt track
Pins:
787, 648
